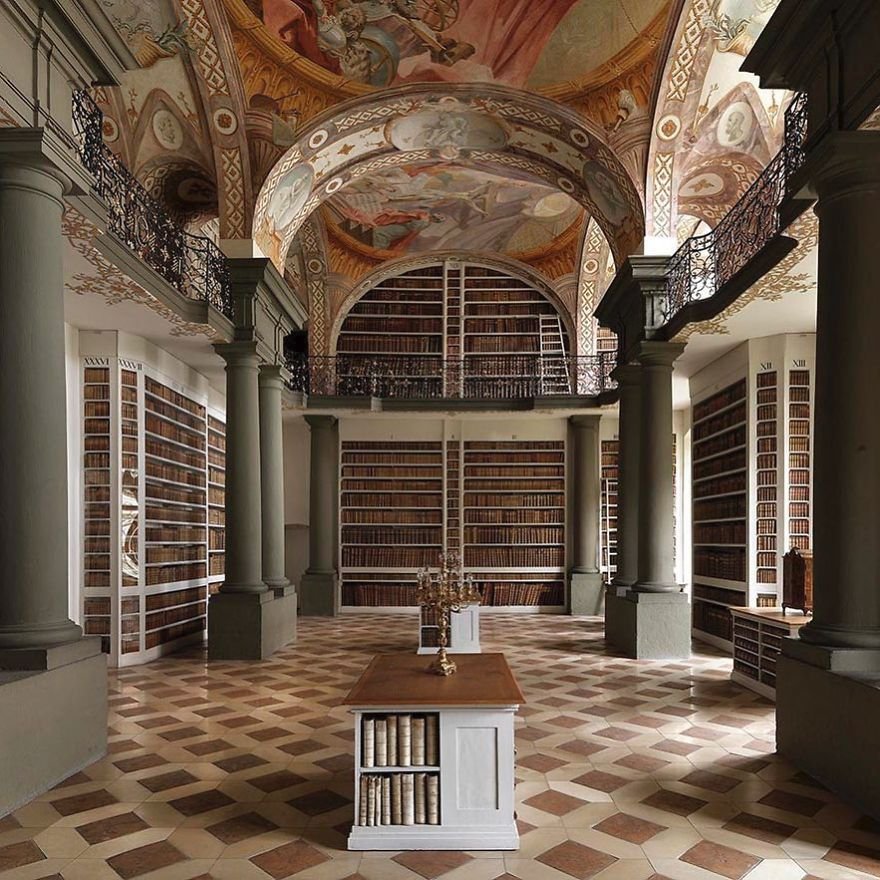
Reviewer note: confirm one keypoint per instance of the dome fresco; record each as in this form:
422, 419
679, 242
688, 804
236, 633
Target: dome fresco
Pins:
521, 43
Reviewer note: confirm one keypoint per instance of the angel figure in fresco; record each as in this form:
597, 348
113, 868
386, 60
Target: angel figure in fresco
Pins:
344, 37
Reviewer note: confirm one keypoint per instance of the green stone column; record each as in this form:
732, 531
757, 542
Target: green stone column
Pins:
272, 475
586, 592
318, 588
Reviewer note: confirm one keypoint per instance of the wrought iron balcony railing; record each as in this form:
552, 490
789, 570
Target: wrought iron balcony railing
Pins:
705, 263
492, 377
192, 264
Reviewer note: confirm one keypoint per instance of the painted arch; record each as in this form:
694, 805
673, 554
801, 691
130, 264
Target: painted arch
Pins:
489, 127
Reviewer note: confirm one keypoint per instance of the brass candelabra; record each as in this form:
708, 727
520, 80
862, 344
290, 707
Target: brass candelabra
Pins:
445, 590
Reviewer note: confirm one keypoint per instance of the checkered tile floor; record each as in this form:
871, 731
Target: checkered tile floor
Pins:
626, 771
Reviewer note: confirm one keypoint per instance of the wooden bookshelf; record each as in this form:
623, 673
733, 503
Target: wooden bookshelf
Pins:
720, 517
391, 518
610, 451
514, 520
466, 314
148, 469
799, 431
757, 644
767, 482
216, 502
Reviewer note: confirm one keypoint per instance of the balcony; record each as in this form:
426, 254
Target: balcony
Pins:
707, 266
191, 264
508, 380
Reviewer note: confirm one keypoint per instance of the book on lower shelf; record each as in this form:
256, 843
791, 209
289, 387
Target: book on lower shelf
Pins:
399, 799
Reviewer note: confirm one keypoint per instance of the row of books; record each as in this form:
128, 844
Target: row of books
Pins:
514, 557
527, 594
514, 499
510, 457
176, 553
157, 389
514, 534
514, 516
160, 427
720, 400
714, 445
174, 514
389, 557
179, 494
170, 574
514, 469
175, 533
388, 499
392, 517
407, 484
720, 533
720, 508
379, 344
401, 740
721, 486
174, 474
391, 470
378, 595
719, 423
726, 563
354, 536
173, 599
174, 414
159, 619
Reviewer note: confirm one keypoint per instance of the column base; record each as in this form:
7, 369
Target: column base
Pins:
318, 594
827, 717
250, 626
586, 593
53, 716
648, 626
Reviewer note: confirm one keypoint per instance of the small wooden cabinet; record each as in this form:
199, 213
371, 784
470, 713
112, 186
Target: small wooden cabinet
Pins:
757, 643
470, 775
797, 580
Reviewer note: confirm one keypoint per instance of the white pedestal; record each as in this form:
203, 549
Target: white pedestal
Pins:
464, 632
475, 751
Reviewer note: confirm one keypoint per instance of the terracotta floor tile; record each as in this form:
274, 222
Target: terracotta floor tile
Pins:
711, 781
109, 829
673, 802
239, 762
164, 781
723, 860
291, 858
317, 802
855, 856
630, 828
540, 763
195, 804
141, 762
600, 780
16, 855
576, 860
276, 781
760, 827
240, 828
145, 859
80, 803
792, 803
555, 802
430, 864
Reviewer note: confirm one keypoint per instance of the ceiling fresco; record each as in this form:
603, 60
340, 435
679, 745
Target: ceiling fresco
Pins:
521, 43
416, 208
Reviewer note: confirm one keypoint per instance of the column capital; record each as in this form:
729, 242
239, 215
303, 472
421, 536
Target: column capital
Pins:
271, 375
843, 162
627, 374
321, 422
238, 354
42, 150
586, 421
659, 354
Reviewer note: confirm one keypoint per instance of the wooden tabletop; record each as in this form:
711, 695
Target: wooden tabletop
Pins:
774, 615
404, 680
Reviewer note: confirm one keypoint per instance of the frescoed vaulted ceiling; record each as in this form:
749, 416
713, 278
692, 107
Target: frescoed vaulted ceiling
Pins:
342, 134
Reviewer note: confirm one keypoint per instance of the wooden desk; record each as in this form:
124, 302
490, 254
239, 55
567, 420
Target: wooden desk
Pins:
471, 770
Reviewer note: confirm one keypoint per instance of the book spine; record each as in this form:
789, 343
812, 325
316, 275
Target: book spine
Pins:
404, 739
381, 742
433, 799
419, 798
369, 744
391, 730
362, 803
371, 802
407, 783
432, 755
418, 741
386, 800
396, 799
